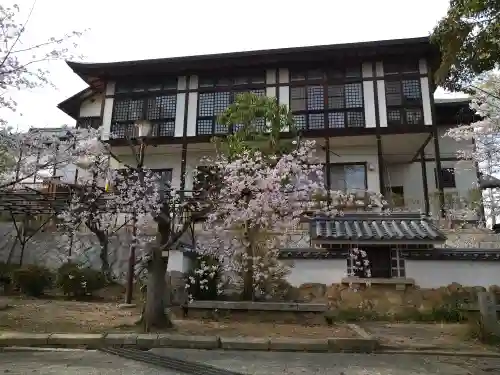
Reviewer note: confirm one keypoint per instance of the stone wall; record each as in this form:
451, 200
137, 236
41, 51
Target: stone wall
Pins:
388, 299
51, 249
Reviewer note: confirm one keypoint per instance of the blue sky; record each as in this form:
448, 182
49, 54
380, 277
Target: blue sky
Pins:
127, 30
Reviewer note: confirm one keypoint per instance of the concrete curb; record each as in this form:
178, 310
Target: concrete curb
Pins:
161, 340
439, 352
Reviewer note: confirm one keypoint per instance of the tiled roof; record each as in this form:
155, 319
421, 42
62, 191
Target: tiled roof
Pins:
375, 227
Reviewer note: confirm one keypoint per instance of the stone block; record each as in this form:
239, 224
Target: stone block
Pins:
298, 344
125, 306
120, 339
312, 291
312, 307
244, 343
204, 305
188, 342
273, 306
23, 339
400, 287
352, 345
76, 340
360, 331
148, 340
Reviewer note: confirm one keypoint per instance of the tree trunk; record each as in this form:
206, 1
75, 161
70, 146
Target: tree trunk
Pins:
248, 292
154, 314
104, 255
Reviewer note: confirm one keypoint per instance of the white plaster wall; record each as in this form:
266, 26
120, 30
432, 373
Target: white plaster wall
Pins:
108, 111
369, 103
159, 158
426, 100
426, 94
448, 147
434, 274
91, 107
180, 107
178, 262
192, 106
382, 109
324, 271
369, 95
410, 177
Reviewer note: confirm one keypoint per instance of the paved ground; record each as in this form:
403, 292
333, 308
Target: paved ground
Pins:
267, 363
73, 363
444, 336
263, 363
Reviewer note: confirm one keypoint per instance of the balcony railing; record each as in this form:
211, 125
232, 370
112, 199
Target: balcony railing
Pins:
159, 129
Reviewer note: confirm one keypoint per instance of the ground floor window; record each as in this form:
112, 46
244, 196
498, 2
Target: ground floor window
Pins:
381, 262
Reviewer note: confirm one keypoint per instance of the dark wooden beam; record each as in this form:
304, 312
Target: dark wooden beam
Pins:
421, 150
425, 182
439, 176
381, 165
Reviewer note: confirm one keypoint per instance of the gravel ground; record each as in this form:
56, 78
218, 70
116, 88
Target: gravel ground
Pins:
267, 363
73, 363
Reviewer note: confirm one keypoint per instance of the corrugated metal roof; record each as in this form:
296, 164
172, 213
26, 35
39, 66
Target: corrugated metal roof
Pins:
370, 227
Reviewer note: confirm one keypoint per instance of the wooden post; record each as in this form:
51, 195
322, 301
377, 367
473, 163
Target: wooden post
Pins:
488, 310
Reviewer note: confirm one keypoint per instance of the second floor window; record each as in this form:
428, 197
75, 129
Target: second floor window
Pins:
332, 99
218, 93
156, 103
213, 104
403, 94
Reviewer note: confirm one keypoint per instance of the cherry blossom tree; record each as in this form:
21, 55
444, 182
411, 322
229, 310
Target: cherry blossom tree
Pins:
484, 134
105, 200
22, 64
265, 191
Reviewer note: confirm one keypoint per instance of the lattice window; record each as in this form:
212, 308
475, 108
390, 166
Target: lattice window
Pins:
404, 102
337, 101
315, 98
127, 109
336, 120
316, 121
298, 98
300, 121
213, 104
159, 109
163, 129
398, 266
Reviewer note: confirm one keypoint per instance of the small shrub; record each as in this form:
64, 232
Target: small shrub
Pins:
477, 331
77, 281
447, 313
451, 311
202, 282
32, 279
6, 271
